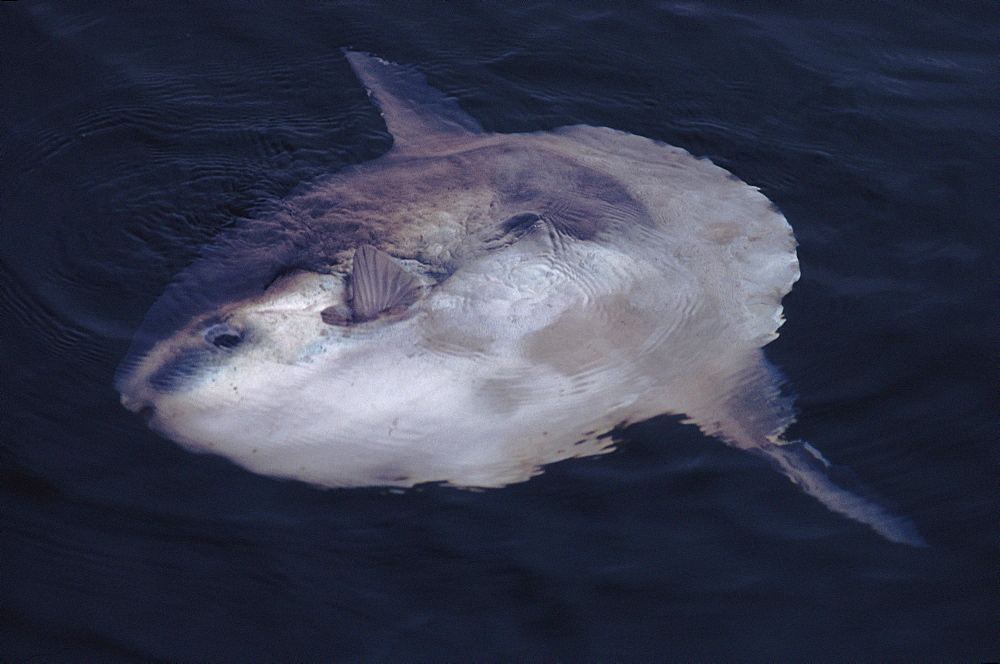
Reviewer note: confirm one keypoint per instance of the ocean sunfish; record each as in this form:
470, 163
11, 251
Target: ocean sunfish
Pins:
472, 306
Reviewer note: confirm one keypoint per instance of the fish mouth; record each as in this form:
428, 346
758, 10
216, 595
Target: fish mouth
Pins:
141, 407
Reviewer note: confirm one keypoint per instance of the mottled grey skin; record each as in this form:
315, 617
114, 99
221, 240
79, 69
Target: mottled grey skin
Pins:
504, 191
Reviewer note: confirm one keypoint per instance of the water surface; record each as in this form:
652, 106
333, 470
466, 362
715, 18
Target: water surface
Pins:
131, 135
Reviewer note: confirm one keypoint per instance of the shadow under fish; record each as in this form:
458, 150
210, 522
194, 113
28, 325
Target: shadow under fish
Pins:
472, 306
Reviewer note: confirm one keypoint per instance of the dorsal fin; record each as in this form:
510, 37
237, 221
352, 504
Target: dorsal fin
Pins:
379, 284
413, 111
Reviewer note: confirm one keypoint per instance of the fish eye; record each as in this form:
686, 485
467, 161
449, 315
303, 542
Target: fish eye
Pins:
223, 335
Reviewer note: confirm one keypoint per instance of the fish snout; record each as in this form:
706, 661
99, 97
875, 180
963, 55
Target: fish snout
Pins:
141, 407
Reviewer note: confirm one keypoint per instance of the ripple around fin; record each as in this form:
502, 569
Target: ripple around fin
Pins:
807, 468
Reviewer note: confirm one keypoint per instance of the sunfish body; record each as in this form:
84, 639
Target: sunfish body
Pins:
472, 306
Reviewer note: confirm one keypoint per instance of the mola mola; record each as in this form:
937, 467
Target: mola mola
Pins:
472, 306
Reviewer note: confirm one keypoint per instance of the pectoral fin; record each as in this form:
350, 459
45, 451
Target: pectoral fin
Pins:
379, 284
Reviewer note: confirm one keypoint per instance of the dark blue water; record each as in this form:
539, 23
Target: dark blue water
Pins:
133, 133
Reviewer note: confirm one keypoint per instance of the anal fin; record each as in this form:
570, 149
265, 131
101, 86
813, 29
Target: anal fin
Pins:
807, 468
